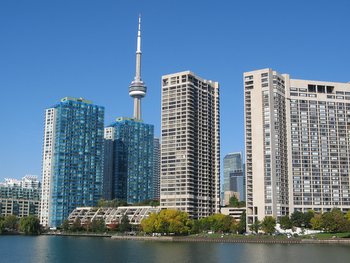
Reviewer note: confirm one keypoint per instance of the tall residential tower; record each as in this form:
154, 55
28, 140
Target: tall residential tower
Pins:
190, 149
72, 159
296, 136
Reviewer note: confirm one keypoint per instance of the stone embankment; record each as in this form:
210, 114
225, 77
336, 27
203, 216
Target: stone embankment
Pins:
235, 240
76, 234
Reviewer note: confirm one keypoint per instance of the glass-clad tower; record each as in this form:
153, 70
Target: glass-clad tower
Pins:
234, 179
129, 160
72, 159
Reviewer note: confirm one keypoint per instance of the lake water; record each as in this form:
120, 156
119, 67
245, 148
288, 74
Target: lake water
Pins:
42, 249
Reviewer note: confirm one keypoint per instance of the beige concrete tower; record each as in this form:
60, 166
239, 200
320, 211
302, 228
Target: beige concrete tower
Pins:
297, 144
190, 149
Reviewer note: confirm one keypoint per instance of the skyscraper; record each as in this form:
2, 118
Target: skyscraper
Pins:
131, 160
190, 149
156, 169
128, 163
72, 159
234, 179
296, 144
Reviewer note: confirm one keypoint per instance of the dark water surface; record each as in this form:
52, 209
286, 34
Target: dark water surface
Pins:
18, 249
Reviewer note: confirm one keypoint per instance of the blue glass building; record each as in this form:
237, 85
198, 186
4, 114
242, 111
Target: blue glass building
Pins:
72, 159
129, 160
234, 178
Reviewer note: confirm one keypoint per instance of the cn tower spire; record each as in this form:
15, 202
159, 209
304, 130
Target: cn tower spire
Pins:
137, 88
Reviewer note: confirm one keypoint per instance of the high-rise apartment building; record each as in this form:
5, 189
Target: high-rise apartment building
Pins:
190, 149
20, 197
72, 159
156, 169
296, 136
129, 163
234, 178
128, 166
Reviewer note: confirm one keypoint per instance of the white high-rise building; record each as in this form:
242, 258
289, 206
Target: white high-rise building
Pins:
190, 149
297, 143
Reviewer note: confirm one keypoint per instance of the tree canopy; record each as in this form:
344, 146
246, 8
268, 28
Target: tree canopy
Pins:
268, 224
30, 225
234, 202
167, 221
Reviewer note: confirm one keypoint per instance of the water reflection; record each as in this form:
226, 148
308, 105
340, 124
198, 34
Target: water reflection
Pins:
44, 249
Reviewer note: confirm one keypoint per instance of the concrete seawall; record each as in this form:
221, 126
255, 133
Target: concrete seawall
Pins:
235, 240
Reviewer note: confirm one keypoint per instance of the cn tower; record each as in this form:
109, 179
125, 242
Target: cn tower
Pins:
137, 88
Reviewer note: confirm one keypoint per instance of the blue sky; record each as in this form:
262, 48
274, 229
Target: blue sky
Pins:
53, 49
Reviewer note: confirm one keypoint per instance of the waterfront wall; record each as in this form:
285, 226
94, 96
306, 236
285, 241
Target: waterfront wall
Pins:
235, 240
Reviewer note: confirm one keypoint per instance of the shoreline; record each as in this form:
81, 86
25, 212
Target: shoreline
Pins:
235, 240
77, 235
252, 240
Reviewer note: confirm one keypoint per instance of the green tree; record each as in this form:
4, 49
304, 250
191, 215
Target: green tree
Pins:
154, 203
205, 224
221, 223
285, 222
87, 226
2, 225
101, 203
124, 224
347, 215
241, 204
111, 203
316, 222
167, 221
255, 227
334, 221
242, 225
217, 223
29, 225
98, 225
148, 224
268, 224
233, 201
307, 218
76, 226
297, 219
65, 225
194, 226
173, 221
11, 222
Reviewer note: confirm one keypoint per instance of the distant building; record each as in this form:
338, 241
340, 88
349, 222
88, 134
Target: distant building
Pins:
20, 197
156, 169
190, 149
234, 178
72, 159
129, 161
108, 164
297, 144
